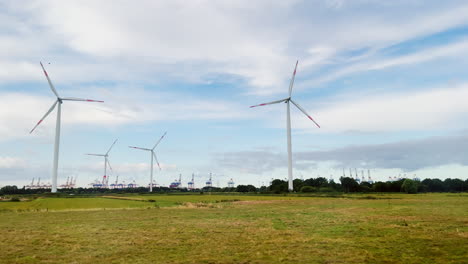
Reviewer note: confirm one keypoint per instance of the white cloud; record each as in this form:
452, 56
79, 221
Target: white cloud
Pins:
370, 63
108, 40
170, 33
18, 70
22, 111
430, 109
11, 163
361, 27
335, 3
450, 50
437, 108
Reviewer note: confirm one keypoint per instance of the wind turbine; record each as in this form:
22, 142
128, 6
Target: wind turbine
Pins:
57, 103
152, 155
106, 158
288, 124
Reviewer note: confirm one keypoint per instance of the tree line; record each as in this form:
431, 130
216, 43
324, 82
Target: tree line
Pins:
320, 184
348, 184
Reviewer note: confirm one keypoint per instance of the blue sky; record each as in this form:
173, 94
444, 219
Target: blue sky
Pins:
386, 80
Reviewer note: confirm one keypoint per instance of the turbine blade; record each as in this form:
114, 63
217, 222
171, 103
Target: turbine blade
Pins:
99, 155
139, 148
159, 140
157, 162
110, 167
111, 147
274, 102
81, 99
303, 111
46, 114
292, 79
50, 82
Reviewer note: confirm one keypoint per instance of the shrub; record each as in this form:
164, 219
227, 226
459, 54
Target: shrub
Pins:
326, 189
308, 189
365, 188
14, 199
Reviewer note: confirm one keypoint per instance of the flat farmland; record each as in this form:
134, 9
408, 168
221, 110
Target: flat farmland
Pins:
371, 228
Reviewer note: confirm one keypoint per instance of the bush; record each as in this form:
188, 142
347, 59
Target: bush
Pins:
365, 188
326, 189
14, 199
308, 189
246, 188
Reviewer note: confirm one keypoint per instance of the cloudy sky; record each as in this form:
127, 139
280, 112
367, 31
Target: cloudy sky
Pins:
386, 80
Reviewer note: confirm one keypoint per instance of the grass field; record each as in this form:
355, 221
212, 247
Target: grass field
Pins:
398, 228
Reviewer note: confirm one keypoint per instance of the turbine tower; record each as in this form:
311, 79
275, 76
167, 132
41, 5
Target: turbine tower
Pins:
288, 124
106, 159
57, 103
152, 155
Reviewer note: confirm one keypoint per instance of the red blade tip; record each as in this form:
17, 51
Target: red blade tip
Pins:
314, 121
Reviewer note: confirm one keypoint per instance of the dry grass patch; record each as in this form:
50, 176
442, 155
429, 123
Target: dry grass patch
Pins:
259, 202
199, 205
124, 198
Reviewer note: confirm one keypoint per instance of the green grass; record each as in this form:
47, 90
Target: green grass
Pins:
42, 204
398, 228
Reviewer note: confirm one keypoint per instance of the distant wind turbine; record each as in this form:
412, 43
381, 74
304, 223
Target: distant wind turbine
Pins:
152, 155
106, 158
288, 124
57, 103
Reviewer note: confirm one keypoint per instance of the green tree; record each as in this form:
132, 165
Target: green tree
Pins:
297, 184
335, 186
279, 186
9, 189
409, 186
453, 185
349, 184
434, 185
380, 187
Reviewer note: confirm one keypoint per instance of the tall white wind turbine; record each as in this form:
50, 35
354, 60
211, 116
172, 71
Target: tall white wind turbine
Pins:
106, 159
57, 103
288, 124
153, 155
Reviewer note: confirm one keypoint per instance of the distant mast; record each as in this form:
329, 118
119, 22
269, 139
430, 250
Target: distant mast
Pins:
191, 184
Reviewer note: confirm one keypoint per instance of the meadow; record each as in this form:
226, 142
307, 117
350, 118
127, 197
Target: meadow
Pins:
387, 228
